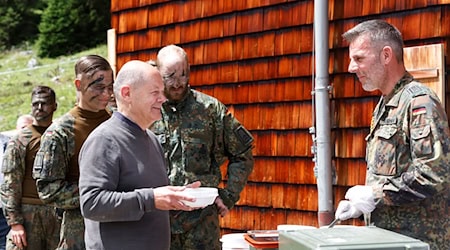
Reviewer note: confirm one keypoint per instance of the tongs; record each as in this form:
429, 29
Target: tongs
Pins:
333, 223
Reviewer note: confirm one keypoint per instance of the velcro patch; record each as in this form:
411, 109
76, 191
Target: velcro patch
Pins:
243, 135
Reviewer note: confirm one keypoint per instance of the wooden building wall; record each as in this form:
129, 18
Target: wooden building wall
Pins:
256, 57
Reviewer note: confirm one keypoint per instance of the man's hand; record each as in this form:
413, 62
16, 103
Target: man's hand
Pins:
346, 210
19, 236
171, 198
360, 200
223, 210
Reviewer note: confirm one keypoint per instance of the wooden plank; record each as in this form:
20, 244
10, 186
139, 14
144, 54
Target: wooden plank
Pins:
411, 26
279, 169
354, 113
217, 27
350, 143
424, 73
425, 62
272, 18
430, 23
350, 172
266, 219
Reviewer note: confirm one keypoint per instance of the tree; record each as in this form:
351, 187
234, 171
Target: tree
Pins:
19, 20
73, 25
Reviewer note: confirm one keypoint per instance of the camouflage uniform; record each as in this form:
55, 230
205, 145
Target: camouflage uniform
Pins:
408, 159
19, 196
198, 135
56, 170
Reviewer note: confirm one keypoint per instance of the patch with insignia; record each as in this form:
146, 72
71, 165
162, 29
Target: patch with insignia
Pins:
244, 136
419, 110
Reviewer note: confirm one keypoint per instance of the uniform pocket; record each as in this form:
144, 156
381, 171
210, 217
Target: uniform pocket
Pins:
196, 155
421, 141
384, 153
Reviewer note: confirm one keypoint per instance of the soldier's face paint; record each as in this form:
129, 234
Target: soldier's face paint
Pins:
96, 91
366, 64
42, 107
175, 75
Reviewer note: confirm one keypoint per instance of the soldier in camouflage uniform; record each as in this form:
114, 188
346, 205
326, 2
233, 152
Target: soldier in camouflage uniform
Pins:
408, 147
198, 135
33, 224
56, 164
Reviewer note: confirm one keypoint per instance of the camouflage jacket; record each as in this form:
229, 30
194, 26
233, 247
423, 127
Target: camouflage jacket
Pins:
408, 159
54, 171
198, 135
15, 172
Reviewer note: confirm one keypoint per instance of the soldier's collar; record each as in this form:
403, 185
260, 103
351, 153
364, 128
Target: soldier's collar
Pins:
393, 99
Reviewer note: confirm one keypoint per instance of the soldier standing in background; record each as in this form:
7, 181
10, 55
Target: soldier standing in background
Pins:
408, 146
56, 165
198, 135
33, 224
22, 122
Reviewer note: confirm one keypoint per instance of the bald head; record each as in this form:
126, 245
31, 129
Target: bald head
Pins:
172, 62
133, 74
139, 92
171, 53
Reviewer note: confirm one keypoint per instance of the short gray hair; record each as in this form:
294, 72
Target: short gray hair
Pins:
381, 34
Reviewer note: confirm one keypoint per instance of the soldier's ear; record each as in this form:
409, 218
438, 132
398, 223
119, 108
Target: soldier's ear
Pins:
386, 55
77, 83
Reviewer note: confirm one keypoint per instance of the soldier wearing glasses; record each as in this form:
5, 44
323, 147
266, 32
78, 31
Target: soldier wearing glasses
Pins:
198, 135
56, 165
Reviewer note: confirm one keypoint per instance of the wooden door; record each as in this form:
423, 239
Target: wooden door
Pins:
426, 64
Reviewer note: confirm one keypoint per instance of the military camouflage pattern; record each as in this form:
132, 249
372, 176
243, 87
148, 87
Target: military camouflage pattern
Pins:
72, 228
13, 169
52, 163
56, 179
39, 221
408, 159
198, 135
42, 228
204, 236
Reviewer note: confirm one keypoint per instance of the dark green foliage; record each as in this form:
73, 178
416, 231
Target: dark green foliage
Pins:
73, 25
19, 21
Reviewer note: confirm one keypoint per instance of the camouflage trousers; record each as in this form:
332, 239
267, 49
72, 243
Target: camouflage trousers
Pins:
72, 231
41, 226
202, 236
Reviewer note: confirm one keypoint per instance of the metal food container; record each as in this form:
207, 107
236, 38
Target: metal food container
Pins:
343, 238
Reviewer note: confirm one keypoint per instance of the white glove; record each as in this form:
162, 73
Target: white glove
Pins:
362, 198
346, 210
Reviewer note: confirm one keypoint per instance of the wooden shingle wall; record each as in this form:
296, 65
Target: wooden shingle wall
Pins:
256, 57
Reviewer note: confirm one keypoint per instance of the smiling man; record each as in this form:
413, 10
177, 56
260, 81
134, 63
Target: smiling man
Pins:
123, 180
56, 165
408, 146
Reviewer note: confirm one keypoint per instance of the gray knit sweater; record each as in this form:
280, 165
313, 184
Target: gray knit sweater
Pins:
120, 164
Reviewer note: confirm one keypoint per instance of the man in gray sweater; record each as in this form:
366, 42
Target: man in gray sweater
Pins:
123, 182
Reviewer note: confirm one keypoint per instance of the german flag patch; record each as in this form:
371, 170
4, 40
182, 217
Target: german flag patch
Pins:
419, 110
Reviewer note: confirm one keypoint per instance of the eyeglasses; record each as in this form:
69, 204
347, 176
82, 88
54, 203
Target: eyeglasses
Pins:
172, 79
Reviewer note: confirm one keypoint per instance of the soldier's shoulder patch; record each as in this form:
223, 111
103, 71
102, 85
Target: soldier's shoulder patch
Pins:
243, 135
419, 110
416, 90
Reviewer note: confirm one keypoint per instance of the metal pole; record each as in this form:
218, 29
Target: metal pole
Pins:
322, 106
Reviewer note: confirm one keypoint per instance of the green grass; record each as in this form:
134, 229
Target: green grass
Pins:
17, 80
